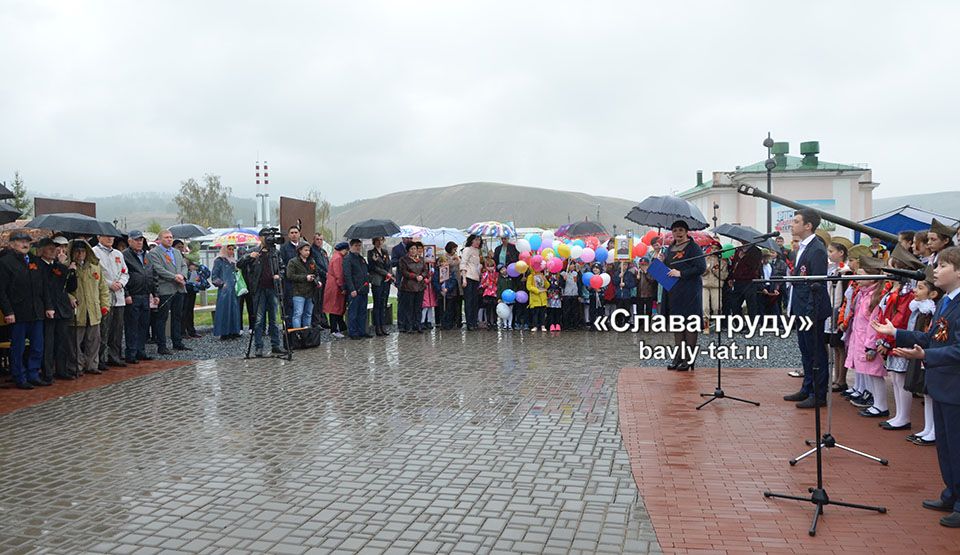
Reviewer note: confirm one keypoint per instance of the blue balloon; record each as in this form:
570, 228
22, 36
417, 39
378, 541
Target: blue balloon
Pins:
586, 278
600, 254
580, 243
535, 242
508, 296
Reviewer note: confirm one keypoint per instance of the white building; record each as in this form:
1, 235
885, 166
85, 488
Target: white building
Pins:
840, 189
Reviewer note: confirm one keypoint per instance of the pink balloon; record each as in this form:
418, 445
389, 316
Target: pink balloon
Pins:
525, 256
587, 255
596, 282
555, 265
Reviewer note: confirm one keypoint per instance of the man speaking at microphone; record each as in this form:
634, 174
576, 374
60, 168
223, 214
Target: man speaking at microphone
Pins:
810, 299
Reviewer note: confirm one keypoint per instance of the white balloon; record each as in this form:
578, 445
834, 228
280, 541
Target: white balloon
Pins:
548, 235
606, 279
503, 311
576, 251
523, 245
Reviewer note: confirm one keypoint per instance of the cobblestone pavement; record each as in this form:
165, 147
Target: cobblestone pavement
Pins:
476, 443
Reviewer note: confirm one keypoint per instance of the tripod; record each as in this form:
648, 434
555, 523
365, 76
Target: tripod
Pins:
719, 393
827, 440
271, 254
819, 494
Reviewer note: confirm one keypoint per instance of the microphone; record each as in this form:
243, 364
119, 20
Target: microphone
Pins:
918, 275
766, 236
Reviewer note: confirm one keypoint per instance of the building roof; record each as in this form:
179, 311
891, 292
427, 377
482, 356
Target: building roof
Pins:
793, 164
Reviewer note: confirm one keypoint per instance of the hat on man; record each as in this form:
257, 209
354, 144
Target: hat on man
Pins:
61, 240
45, 242
135, 234
928, 273
824, 236
20, 235
906, 258
341, 246
938, 227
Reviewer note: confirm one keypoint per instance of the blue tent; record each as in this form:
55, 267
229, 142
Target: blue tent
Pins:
905, 218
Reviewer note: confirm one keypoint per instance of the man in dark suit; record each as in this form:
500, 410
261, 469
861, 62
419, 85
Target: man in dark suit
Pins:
139, 288
59, 282
22, 301
356, 280
810, 299
939, 348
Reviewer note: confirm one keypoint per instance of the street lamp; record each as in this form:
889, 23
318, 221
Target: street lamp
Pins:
769, 164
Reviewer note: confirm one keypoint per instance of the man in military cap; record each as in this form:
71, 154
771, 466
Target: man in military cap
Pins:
136, 316
22, 304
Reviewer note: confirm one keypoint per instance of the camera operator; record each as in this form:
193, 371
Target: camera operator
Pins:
263, 265
288, 251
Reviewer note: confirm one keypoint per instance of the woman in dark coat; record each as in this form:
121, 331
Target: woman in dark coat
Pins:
381, 277
686, 296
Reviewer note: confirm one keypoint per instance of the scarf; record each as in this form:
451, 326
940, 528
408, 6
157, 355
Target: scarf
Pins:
926, 306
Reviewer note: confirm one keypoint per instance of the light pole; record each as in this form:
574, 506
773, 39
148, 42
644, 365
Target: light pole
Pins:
769, 164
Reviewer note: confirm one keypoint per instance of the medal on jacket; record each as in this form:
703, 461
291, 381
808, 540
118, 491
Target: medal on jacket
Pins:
803, 270
942, 330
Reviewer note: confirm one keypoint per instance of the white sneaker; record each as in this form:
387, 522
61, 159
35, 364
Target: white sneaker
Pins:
337, 334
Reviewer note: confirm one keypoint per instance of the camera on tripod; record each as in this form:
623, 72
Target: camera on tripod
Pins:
271, 237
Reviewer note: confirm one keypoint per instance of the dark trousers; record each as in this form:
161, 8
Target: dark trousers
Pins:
745, 291
451, 312
813, 354
247, 301
408, 311
380, 295
136, 323
645, 306
56, 341
20, 332
553, 316
171, 307
946, 422
770, 305
490, 310
520, 315
319, 318
337, 324
471, 302
186, 320
536, 317
572, 313
357, 314
111, 335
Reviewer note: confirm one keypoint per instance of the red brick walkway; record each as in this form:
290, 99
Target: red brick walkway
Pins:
702, 473
12, 399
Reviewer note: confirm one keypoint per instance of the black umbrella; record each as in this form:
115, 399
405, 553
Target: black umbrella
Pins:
586, 228
744, 234
70, 222
8, 213
663, 211
5, 193
189, 231
368, 229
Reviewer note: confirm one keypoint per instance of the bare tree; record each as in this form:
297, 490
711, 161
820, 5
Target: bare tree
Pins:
323, 212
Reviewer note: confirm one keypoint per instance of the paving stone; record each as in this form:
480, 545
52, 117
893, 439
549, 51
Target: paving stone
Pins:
390, 445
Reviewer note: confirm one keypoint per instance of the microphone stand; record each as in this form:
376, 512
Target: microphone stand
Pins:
827, 440
819, 496
718, 393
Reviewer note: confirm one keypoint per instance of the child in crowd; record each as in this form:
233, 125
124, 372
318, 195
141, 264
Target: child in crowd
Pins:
920, 248
624, 281
922, 308
488, 292
594, 299
554, 301
938, 348
449, 289
837, 266
431, 293
862, 355
610, 291
571, 291
504, 282
537, 294
647, 289
521, 312
939, 237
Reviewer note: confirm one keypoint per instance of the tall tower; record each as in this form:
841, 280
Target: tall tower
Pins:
262, 218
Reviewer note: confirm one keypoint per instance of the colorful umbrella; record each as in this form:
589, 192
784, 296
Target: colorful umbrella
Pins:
492, 229
410, 231
237, 237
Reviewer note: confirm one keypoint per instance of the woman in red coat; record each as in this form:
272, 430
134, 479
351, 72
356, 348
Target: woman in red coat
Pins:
334, 296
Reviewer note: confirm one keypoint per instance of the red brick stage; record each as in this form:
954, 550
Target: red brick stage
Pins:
702, 474
12, 399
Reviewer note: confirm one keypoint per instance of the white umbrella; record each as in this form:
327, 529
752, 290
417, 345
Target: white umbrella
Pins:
441, 236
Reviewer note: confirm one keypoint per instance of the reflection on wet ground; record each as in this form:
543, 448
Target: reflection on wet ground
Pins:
477, 442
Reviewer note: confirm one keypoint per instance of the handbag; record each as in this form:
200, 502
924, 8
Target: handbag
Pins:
241, 285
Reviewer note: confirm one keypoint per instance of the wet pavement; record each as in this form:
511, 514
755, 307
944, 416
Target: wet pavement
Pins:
476, 442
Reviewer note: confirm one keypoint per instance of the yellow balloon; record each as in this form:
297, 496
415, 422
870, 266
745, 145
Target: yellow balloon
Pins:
563, 250
521, 266
547, 253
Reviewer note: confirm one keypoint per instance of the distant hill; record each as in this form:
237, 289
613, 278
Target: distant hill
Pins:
947, 203
467, 203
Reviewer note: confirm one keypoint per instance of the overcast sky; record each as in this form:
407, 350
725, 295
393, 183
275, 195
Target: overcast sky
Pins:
364, 98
